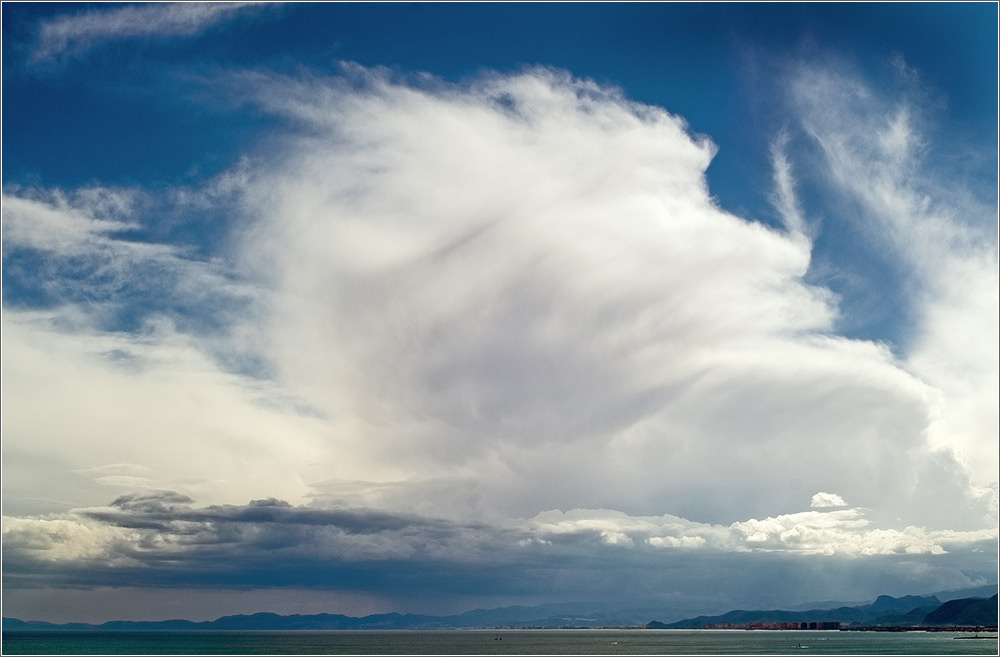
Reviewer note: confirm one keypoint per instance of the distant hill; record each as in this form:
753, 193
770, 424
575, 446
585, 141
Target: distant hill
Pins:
259, 621
885, 611
886, 604
548, 615
967, 611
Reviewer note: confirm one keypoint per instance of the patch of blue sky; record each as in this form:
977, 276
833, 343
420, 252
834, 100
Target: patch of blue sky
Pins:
111, 118
108, 117
695, 60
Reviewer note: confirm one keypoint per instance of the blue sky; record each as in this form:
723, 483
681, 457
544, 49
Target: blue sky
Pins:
405, 307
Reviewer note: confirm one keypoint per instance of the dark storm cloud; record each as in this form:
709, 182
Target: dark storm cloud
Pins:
168, 509
159, 540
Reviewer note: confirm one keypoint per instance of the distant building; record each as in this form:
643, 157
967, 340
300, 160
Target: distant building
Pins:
811, 625
766, 625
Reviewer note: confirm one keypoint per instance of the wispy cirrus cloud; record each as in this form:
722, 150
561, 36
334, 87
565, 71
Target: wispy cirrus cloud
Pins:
73, 35
936, 234
784, 195
91, 249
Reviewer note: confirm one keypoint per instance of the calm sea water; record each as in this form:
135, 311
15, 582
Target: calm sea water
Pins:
499, 642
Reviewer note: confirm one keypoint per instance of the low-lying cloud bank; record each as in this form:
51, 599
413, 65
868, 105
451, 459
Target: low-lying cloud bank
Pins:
145, 529
162, 539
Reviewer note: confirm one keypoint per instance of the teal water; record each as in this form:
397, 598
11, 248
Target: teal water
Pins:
498, 642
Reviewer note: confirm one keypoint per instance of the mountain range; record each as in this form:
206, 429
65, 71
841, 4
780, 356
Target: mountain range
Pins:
910, 610
944, 608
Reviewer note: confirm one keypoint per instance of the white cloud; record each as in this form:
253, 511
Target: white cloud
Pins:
138, 533
784, 196
482, 301
524, 281
844, 532
66, 226
85, 245
74, 34
928, 221
821, 500
65, 539
86, 401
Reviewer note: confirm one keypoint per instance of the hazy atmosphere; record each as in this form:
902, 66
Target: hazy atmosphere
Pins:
359, 308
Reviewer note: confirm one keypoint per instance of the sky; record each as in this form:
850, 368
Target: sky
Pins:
359, 308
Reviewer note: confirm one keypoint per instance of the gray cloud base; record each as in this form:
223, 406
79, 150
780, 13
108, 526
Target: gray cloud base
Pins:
160, 540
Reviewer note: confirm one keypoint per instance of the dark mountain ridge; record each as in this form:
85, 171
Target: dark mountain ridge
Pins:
549, 615
909, 610
967, 611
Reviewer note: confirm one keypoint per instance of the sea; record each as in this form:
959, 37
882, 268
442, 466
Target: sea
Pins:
500, 642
